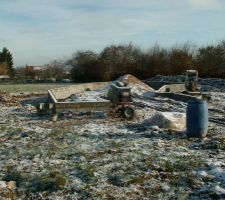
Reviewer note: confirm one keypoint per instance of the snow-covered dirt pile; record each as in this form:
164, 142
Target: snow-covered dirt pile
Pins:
212, 84
178, 78
207, 84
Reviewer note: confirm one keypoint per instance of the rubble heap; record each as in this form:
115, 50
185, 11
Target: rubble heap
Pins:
8, 190
8, 100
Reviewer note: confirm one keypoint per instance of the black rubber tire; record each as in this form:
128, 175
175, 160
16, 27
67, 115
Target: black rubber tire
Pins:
128, 112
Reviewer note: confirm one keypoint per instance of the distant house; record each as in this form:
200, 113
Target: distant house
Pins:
4, 77
46, 73
39, 68
33, 72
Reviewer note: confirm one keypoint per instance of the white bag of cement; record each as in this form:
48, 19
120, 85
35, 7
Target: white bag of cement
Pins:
169, 120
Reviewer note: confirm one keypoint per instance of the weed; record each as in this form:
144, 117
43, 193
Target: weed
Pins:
86, 173
12, 175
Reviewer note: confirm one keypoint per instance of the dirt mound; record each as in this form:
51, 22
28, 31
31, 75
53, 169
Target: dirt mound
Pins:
137, 86
8, 100
207, 84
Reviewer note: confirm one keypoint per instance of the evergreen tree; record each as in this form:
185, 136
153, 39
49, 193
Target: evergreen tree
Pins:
6, 57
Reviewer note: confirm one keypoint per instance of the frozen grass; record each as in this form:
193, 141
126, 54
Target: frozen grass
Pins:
95, 165
19, 88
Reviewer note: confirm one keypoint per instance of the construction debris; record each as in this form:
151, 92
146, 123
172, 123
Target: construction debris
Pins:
8, 100
8, 190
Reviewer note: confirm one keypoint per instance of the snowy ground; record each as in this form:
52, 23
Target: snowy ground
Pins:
100, 156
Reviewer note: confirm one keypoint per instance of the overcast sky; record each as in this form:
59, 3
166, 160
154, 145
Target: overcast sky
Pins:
38, 31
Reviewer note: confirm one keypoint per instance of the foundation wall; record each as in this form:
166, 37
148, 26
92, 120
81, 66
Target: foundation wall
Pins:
176, 96
65, 92
172, 88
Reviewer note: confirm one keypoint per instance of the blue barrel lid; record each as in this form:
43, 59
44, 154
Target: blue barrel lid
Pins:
197, 101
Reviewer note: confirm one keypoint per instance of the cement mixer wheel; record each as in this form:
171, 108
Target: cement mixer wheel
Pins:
128, 112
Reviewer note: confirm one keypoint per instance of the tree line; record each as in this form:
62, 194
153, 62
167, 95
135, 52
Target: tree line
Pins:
116, 60
6, 63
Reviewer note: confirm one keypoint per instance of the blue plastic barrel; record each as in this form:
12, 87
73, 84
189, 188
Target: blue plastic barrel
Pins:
197, 118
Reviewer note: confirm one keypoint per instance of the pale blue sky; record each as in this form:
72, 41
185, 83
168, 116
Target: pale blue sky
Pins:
38, 31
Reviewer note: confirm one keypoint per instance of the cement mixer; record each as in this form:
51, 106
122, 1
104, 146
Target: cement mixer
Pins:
120, 95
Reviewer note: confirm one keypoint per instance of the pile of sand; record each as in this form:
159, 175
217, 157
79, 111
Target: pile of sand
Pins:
137, 86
